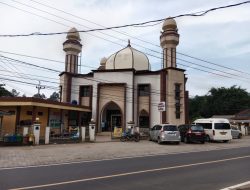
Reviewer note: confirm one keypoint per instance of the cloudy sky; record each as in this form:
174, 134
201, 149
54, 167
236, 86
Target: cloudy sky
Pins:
220, 38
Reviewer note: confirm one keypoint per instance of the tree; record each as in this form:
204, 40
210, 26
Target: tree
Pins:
15, 93
54, 97
227, 101
42, 96
195, 107
219, 101
4, 92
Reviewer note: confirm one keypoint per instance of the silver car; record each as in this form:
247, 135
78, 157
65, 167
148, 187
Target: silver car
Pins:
236, 133
164, 133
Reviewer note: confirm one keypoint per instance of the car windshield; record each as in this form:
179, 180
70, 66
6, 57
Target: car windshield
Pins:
197, 128
222, 126
170, 128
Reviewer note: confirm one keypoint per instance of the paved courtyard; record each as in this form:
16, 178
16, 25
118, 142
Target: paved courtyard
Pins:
13, 156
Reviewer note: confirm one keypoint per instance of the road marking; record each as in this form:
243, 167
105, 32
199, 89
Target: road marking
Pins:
129, 173
116, 158
236, 186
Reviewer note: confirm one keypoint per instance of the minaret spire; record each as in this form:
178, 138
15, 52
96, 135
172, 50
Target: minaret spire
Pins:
169, 40
129, 43
72, 47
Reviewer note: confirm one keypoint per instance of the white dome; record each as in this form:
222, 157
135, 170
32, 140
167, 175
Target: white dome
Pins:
128, 58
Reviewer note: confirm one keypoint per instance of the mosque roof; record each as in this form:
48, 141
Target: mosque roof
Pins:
128, 58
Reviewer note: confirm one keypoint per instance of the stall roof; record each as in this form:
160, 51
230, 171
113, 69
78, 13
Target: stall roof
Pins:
24, 101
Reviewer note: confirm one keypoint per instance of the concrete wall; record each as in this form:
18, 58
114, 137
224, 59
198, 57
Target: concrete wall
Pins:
154, 81
76, 83
117, 77
112, 93
175, 76
132, 81
64, 83
144, 104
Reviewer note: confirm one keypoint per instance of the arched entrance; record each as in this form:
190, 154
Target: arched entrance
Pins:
111, 117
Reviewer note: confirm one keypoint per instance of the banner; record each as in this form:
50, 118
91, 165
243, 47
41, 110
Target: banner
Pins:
117, 132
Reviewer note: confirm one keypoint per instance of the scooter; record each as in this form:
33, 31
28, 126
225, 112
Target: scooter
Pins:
127, 136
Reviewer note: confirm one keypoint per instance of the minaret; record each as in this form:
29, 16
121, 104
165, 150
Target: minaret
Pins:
103, 64
169, 40
72, 47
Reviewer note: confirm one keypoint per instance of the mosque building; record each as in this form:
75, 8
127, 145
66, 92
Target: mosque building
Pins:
124, 89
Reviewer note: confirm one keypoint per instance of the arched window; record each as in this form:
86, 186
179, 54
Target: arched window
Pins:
144, 119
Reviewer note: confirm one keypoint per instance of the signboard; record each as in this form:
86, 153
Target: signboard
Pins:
117, 132
161, 106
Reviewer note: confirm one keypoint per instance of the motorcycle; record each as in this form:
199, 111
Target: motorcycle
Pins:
127, 136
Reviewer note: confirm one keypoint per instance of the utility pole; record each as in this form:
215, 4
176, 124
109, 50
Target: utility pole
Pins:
39, 87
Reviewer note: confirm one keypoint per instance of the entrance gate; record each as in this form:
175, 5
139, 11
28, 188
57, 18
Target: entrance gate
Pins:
111, 118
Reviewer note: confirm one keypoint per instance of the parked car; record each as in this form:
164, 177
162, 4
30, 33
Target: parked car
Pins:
216, 129
164, 133
192, 133
236, 133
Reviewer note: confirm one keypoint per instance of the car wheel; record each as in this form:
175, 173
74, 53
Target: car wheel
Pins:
186, 140
178, 142
207, 138
225, 141
202, 142
159, 140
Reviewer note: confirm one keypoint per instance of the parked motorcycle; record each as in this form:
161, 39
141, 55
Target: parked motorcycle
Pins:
127, 136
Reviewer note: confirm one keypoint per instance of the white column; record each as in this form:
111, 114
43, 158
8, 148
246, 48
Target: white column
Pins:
25, 131
92, 127
83, 133
47, 133
36, 132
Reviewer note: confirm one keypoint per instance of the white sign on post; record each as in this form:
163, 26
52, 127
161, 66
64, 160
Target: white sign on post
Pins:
161, 106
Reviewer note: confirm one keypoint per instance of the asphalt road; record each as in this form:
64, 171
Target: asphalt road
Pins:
200, 170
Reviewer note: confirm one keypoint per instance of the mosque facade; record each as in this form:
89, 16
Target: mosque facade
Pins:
124, 88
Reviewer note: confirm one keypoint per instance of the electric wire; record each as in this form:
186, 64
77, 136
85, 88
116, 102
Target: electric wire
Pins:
55, 22
95, 80
139, 39
102, 94
178, 63
214, 73
121, 39
78, 91
158, 58
135, 24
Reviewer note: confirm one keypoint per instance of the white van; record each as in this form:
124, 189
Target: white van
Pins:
216, 129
